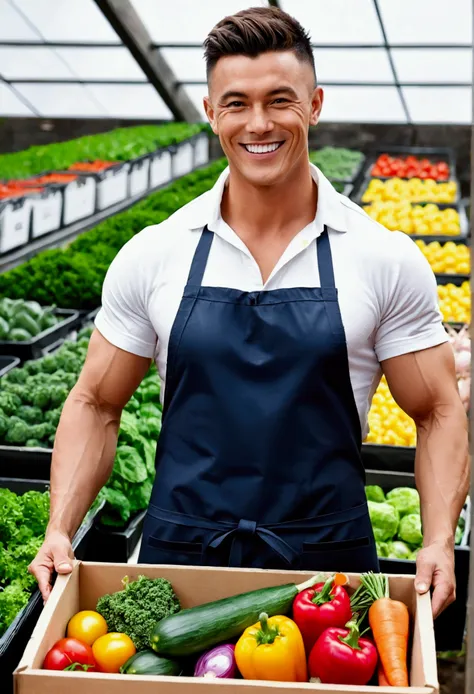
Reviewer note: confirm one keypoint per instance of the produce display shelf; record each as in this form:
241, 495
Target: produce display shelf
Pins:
7, 363
434, 154
452, 279
396, 459
14, 640
67, 234
450, 625
356, 172
32, 349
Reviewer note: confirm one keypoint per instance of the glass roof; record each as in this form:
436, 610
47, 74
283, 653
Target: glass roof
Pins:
377, 60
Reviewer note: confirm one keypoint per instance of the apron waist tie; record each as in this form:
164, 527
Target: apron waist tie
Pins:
238, 531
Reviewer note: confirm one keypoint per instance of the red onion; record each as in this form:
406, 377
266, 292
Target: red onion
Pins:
218, 662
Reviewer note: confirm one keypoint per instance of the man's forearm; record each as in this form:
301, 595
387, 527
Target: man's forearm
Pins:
83, 458
442, 471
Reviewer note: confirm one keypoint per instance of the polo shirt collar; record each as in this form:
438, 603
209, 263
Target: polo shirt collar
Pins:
331, 213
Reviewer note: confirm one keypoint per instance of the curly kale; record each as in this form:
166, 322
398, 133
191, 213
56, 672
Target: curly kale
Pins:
18, 431
136, 609
9, 403
13, 598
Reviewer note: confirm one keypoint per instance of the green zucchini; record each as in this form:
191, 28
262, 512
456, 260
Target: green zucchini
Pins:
4, 329
23, 320
148, 663
34, 309
198, 628
19, 335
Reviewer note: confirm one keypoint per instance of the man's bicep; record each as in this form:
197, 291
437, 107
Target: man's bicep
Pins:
110, 375
423, 381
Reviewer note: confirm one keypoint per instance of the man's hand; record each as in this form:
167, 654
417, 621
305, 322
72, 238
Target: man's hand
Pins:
55, 554
435, 567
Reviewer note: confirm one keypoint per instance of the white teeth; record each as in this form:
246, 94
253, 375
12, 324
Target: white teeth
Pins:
262, 149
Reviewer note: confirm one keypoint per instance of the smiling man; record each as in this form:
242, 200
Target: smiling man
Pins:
271, 305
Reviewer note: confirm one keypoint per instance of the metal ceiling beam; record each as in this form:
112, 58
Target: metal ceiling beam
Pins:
129, 27
274, 3
355, 83
334, 46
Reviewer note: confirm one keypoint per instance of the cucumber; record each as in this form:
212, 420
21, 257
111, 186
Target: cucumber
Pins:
198, 628
4, 329
19, 335
148, 663
23, 320
34, 309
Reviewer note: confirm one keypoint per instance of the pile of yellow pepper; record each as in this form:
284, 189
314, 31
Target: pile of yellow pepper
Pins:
412, 190
423, 220
452, 258
455, 302
388, 423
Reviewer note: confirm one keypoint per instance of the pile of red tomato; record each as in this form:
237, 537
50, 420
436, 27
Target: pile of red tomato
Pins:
89, 647
410, 167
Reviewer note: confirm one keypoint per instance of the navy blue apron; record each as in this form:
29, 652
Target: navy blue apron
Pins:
258, 460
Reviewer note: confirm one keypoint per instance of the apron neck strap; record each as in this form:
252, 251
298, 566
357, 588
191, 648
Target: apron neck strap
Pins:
198, 266
326, 270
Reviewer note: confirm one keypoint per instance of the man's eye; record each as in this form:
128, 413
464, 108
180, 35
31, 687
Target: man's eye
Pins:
280, 100
235, 104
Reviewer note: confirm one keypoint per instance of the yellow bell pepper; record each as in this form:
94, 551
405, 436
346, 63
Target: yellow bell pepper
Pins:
272, 649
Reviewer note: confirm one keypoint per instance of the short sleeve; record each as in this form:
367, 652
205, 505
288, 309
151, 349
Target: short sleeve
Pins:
410, 316
123, 318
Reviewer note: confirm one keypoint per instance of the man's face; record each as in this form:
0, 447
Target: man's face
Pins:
261, 109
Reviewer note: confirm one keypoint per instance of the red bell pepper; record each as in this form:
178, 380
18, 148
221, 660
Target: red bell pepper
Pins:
317, 608
340, 656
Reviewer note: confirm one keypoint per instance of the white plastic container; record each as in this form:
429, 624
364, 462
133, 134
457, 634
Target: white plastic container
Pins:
15, 219
160, 168
139, 176
112, 186
46, 211
182, 158
79, 199
201, 150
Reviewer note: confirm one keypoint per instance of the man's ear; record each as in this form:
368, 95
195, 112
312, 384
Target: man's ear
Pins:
211, 114
316, 105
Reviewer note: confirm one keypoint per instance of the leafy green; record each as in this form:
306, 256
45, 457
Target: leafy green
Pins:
117, 145
23, 520
136, 609
337, 163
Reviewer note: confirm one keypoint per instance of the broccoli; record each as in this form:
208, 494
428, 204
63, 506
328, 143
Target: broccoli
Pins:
384, 519
53, 417
30, 415
18, 431
9, 403
40, 397
49, 364
405, 500
374, 493
410, 530
138, 607
34, 443
41, 431
3, 425
58, 395
15, 376
398, 550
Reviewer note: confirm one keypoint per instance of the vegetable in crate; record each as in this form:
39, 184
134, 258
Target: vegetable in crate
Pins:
341, 656
86, 626
198, 628
414, 190
455, 302
148, 663
272, 649
322, 606
374, 493
446, 258
137, 608
390, 622
410, 167
70, 654
112, 651
415, 219
218, 662
23, 320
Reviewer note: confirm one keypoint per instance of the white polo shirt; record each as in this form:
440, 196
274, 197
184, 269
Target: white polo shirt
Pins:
387, 290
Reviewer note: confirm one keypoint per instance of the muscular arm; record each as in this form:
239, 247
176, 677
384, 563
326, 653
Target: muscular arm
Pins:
424, 385
85, 444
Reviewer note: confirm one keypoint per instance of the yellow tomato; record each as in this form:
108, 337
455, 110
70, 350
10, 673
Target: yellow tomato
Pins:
413, 190
112, 651
87, 626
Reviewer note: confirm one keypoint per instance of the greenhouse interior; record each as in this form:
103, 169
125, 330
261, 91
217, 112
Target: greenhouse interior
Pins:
120, 575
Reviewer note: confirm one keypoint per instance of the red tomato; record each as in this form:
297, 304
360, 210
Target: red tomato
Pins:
376, 171
69, 653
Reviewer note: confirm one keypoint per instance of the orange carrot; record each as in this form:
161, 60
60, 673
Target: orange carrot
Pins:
382, 680
390, 622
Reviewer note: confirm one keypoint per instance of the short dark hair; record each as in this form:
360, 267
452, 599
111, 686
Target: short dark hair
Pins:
255, 31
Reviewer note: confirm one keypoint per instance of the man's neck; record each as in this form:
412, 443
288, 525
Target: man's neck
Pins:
276, 210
